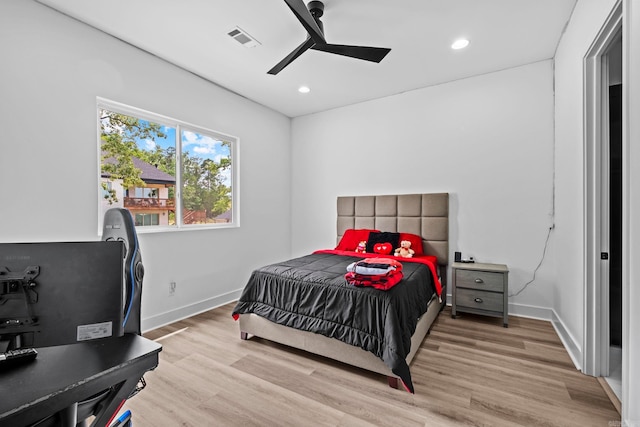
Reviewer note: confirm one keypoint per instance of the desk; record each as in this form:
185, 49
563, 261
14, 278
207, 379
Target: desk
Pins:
63, 375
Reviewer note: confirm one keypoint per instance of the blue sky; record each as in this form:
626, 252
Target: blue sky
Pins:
196, 144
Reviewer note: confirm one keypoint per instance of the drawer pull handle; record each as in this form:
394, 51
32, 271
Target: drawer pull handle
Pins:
479, 280
478, 300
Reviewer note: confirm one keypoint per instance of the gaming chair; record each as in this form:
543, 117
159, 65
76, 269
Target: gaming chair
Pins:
118, 226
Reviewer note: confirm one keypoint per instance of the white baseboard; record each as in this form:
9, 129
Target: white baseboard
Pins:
166, 318
573, 347
531, 311
520, 310
548, 314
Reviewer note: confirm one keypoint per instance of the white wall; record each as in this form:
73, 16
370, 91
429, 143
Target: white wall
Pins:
568, 247
53, 68
486, 140
588, 17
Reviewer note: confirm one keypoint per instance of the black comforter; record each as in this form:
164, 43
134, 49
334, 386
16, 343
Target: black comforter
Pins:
310, 293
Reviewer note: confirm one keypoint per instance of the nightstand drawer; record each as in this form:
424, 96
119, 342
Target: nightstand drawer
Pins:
479, 300
484, 280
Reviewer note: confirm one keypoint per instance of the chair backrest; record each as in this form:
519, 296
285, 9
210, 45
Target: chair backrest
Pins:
119, 225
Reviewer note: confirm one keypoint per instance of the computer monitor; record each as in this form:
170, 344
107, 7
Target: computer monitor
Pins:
58, 293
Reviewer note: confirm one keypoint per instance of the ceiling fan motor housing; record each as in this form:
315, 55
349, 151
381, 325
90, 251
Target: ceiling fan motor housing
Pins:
316, 8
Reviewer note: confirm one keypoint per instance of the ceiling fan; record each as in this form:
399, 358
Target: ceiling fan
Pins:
309, 17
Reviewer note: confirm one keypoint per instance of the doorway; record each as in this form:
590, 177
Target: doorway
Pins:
603, 204
614, 229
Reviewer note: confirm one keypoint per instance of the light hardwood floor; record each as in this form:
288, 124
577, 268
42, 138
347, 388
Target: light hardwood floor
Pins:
468, 371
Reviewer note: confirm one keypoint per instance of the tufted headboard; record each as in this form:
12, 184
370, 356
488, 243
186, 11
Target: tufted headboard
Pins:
426, 215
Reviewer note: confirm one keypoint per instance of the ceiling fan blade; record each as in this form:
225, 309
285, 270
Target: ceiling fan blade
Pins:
373, 54
308, 43
306, 19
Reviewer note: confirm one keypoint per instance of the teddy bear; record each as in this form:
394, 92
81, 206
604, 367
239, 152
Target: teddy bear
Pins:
404, 250
362, 247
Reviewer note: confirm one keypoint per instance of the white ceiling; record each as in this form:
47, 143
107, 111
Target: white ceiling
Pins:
193, 35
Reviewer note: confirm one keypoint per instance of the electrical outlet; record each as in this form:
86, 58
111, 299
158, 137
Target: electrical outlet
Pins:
172, 288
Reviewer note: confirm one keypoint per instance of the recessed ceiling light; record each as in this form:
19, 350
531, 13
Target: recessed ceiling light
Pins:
304, 89
460, 44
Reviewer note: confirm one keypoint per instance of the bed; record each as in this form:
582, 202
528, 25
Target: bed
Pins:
307, 303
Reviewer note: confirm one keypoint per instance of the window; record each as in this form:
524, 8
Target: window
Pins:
147, 219
107, 189
167, 173
143, 193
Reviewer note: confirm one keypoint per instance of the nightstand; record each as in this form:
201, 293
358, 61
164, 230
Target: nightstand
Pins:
480, 289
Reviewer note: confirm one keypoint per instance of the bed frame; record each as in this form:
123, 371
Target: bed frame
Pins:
426, 215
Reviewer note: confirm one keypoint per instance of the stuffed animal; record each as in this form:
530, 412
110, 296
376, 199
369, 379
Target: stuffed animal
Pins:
362, 247
404, 250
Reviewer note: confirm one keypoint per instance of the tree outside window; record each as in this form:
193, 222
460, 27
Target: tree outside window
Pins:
141, 171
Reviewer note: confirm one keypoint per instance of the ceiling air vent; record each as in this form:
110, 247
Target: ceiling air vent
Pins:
243, 37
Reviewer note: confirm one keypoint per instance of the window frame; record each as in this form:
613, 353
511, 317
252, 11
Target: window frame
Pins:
180, 127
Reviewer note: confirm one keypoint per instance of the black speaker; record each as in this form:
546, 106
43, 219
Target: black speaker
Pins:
457, 256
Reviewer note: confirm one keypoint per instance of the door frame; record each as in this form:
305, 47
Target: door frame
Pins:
596, 215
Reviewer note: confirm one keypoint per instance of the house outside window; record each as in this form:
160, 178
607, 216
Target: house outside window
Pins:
141, 170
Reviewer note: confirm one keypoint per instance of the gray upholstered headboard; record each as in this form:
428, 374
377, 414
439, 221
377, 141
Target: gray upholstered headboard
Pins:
426, 215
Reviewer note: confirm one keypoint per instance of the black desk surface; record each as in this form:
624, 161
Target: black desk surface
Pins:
62, 375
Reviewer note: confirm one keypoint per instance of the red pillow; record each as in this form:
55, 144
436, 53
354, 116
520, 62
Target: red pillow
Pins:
352, 237
383, 248
416, 242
